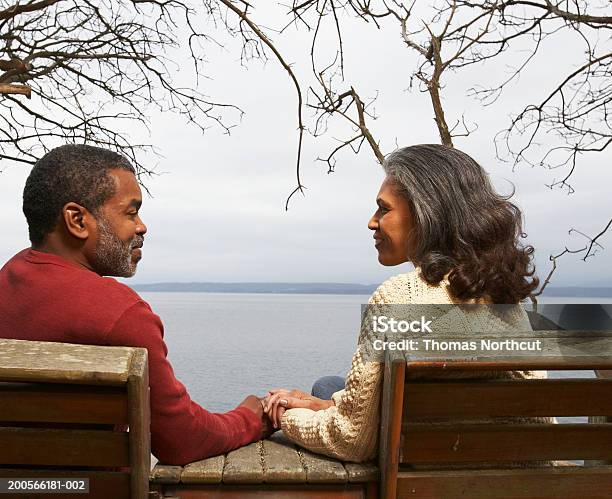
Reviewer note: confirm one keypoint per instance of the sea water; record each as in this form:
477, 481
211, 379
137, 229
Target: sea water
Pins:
224, 346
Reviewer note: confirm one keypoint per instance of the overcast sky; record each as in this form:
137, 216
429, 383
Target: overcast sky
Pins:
217, 211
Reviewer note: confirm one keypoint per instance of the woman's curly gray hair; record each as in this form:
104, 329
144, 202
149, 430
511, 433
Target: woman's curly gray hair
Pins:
462, 226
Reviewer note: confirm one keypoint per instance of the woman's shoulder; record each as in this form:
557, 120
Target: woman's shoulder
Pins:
409, 288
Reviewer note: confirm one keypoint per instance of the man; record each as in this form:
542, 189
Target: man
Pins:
82, 208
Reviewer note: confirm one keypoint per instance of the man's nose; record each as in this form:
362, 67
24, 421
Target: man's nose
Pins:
141, 228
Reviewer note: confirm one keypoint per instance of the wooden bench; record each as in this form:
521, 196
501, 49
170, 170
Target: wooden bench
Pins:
408, 447
87, 390
61, 408
60, 405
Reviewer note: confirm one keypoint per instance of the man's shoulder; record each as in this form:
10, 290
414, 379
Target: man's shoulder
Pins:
91, 288
117, 298
115, 290
14, 260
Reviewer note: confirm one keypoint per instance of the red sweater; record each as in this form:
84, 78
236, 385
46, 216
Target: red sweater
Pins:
46, 298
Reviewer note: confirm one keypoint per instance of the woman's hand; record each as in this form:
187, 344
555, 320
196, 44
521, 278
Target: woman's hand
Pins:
277, 401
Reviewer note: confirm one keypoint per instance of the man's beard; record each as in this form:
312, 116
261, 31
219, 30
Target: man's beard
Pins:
113, 257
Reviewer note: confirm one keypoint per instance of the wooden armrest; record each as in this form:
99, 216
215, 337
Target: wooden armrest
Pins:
603, 374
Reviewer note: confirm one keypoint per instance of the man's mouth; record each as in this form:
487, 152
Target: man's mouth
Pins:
136, 250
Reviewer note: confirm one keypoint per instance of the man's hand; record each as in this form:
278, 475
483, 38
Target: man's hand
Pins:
278, 400
256, 404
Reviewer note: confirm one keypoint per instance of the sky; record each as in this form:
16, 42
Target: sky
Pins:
217, 207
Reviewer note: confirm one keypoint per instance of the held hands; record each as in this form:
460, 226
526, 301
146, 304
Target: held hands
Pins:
256, 405
277, 401
271, 408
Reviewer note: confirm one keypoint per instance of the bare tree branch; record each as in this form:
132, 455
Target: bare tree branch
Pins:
19, 8
16, 89
77, 58
264, 39
587, 250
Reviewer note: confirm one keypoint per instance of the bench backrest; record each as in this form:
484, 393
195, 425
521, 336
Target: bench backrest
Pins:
64, 413
411, 442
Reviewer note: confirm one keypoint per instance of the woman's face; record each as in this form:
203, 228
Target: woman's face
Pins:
392, 224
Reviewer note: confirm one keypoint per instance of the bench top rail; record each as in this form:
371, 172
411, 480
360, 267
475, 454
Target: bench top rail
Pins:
50, 362
557, 350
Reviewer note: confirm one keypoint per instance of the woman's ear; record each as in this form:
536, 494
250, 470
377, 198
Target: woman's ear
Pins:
77, 220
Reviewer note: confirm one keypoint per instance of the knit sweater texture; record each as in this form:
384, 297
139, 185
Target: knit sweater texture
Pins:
348, 430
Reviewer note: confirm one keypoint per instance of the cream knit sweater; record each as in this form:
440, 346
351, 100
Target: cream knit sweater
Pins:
349, 429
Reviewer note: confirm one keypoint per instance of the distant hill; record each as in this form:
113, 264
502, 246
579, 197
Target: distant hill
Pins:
333, 288
259, 287
579, 291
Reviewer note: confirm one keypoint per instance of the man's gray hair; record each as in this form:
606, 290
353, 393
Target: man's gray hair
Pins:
71, 173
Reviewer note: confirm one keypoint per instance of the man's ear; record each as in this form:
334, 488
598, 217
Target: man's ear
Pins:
77, 220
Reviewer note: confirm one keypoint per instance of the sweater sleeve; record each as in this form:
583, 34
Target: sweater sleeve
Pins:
347, 430
181, 430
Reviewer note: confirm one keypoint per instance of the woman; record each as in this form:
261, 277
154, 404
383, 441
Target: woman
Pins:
438, 210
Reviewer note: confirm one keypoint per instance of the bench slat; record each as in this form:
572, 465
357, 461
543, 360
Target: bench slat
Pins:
282, 463
244, 465
34, 446
493, 398
205, 471
267, 491
45, 361
322, 469
426, 443
49, 403
568, 363
362, 472
548, 483
561, 350
165, 473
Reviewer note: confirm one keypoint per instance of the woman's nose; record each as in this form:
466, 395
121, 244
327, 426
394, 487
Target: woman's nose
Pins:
373, 223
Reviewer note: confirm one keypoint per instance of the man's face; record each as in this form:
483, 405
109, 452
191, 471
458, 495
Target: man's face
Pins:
120, 231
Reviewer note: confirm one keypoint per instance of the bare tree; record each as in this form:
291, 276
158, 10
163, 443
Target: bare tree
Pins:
572, 120
80, 70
